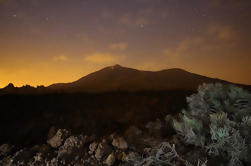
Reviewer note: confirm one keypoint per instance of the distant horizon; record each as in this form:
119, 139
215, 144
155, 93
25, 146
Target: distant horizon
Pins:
18, 86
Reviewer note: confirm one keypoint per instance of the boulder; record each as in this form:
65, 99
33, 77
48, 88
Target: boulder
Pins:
71, 144
110, 160
38, 157
92, 147
121, 156
5, 149
102, 150
120, 143
58, 138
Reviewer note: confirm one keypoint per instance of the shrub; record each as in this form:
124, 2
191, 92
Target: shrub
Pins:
163, 154
218, 119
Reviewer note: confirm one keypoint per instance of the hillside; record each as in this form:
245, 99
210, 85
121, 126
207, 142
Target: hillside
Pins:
118, 78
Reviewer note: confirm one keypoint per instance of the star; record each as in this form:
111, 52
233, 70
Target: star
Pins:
14, 15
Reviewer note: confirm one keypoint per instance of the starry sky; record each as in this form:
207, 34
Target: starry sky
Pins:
48, 41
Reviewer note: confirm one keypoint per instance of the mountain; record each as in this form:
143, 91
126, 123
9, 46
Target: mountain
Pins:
118, 78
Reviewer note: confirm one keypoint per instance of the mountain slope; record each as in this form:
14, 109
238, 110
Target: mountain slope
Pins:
116, 78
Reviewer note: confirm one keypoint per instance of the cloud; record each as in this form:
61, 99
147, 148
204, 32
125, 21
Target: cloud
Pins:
60, 58
190, 43
185, 48
118, 46
222, 32
212, 40
103, 58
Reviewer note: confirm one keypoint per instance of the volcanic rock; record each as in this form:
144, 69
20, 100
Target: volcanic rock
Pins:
110, 160
58, 138
71, 144
5, 149
120, 143
102, 150
92, 147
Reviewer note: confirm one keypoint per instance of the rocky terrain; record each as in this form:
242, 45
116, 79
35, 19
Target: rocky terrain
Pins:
156, 144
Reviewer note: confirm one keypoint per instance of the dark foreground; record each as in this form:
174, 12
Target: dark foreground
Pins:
26, 119
133, 147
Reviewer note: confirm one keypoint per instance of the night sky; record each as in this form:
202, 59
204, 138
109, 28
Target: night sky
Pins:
48, 41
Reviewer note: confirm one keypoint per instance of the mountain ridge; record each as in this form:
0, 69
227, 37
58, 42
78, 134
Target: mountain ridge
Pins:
119, 78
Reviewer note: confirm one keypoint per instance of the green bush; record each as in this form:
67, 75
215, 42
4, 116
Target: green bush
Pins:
164, 154
218, 119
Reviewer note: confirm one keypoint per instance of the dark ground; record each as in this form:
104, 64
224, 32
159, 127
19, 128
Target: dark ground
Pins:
26, 119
